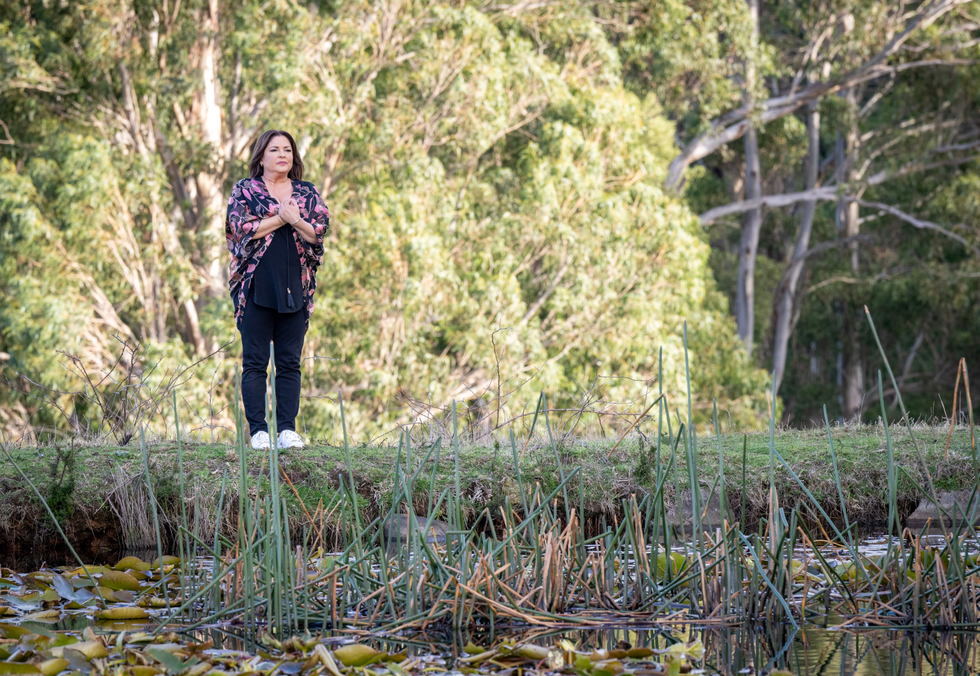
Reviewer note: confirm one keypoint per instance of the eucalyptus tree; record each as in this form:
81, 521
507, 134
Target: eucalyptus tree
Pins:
836, 63
499, 221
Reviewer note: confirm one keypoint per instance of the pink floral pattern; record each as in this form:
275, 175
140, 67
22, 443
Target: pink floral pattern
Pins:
250, 203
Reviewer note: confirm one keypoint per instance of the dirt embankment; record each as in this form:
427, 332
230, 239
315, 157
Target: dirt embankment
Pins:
103, 503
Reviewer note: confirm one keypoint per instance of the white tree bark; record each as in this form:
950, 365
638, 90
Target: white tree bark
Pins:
210, 199
853, 361
786, 293
752, 224
749, 246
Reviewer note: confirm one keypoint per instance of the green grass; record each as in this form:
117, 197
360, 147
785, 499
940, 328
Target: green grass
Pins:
487, 475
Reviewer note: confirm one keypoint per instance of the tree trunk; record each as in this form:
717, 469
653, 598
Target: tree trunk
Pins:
751, 227
853, 366
787, 290
211, 202
853, 363
752, 224
193, 324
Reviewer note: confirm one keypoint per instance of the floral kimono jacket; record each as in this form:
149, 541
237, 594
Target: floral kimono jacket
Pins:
251, 202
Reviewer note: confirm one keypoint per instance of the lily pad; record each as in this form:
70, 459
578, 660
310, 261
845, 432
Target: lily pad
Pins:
18, 668
144, 671
53, 666
123, 613
167, 561
91, 649
115, 579
131, 562
356, 655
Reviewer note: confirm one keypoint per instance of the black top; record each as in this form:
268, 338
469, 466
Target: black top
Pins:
277, 281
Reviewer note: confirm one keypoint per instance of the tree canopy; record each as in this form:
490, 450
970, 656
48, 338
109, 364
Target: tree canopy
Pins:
514, 191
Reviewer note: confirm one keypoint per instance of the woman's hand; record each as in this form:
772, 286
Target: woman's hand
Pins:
290, 211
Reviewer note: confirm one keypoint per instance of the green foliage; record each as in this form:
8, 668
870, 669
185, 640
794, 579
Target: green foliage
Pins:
494, 188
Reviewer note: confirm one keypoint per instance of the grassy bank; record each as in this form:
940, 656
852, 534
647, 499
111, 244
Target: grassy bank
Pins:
99, 493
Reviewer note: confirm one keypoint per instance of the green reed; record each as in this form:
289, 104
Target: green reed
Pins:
538, 561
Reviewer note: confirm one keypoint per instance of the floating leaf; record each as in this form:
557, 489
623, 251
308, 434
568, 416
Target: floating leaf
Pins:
43, 577
44, 616
167, 561
398, 671
76, 660
68, 592
52, 667
607, 668
61, 640
639, 653
131, 562
144, 671
115, 579
694, 650
18, 668
355, 655
677, 563
91, 649
123, 613
13, 630
170, 662
63, 587
108, 595
532, 652
29, 602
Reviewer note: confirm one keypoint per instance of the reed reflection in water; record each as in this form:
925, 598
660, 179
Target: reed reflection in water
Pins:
759, 649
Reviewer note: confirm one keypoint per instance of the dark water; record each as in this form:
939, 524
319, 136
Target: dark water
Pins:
62, 558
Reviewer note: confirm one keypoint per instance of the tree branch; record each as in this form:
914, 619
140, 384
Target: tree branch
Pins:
826, 193
733, 125
917, 222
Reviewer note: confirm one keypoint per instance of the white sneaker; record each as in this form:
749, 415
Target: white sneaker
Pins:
260, 441
289, 439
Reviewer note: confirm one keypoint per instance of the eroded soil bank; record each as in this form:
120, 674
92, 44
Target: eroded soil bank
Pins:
100, 497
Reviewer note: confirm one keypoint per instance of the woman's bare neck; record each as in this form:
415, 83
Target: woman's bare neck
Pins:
275, 180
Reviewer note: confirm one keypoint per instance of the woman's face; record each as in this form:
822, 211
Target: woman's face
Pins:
278, 157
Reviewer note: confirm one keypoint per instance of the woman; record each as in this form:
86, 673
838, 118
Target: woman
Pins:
275, 228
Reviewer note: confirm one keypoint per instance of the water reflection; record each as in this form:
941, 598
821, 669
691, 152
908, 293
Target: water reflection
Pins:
759, 649
751, 649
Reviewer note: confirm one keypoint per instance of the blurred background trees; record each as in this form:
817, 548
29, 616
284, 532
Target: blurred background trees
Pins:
515, 191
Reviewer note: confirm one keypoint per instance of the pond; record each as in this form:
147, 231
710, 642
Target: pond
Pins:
816, 649
670, 639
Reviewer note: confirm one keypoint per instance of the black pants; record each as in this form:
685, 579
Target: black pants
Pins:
260, 326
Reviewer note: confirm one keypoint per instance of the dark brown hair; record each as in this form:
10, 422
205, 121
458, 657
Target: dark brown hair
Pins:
258, 150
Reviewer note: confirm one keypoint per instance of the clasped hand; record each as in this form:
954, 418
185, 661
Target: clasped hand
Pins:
290, 212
